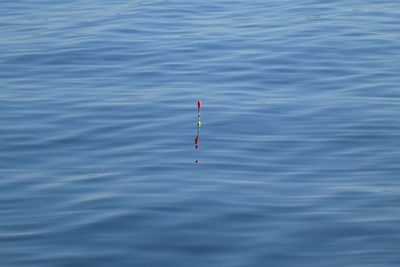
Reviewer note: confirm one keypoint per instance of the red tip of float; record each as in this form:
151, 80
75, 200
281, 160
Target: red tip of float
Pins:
199, 105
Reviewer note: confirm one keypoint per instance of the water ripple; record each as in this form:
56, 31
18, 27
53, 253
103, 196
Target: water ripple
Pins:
298, 158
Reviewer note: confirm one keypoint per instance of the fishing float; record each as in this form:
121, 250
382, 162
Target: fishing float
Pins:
198, 112
196, 140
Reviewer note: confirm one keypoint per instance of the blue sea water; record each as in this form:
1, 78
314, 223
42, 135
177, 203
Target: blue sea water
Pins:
299, 143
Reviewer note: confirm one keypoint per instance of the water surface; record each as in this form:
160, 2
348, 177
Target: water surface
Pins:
298, 145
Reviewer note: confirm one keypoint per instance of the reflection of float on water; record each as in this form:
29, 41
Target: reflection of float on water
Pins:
196, 141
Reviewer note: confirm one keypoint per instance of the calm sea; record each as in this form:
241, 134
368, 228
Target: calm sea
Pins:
299, 148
